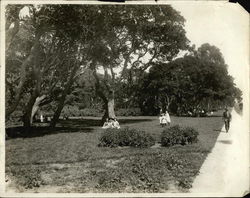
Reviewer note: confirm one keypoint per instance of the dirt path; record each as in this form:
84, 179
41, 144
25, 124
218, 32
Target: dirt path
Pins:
225, 172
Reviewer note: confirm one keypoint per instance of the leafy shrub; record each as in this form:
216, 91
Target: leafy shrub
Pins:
129, 112
70, 111
126, 137
27, 178
110, 181
110, 138
74, 111
91, 112
177, 135
15, 118
190, 135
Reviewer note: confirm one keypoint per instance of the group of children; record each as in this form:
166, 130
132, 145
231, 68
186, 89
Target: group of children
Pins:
111, 123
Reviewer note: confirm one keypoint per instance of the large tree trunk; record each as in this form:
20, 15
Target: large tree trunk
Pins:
109, 99
58, 111
36, 107
63, 97
37, 78
109, 107
28, 110
29, 60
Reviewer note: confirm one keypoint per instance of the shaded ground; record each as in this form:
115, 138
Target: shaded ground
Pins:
84, 124
68, 159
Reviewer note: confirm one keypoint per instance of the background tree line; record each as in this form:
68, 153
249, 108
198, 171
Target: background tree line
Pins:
54, 55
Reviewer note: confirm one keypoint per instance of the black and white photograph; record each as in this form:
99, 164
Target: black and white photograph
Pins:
140, 98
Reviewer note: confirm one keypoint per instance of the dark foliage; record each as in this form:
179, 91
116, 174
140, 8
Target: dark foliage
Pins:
126, 137
32, 178
177, 135
129, 112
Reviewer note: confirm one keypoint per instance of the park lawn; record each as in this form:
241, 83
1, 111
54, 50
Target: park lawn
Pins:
68, 159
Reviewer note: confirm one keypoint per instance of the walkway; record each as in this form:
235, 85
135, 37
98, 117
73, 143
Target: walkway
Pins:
225, 172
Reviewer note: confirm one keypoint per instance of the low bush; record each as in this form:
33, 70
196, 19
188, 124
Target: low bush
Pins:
27, 178
70, 111
190, 135
177, 135
74, 111
129, 112
126, 137
110, 138
15, 118
91, 112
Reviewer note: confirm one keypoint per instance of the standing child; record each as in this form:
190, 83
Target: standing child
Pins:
168, 118
116, 124
163, 120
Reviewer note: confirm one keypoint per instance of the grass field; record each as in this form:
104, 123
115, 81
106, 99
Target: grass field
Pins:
67, 159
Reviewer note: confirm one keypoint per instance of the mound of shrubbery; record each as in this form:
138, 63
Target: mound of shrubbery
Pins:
126, 137
178, 135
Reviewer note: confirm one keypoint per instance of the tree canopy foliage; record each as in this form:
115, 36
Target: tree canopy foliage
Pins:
199, 80
53, 49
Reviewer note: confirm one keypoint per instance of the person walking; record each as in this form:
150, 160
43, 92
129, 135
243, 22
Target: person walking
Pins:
227, 117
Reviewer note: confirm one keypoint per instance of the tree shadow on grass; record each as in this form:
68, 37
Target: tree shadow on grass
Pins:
80, 123
97, 122
130, 121
63, 126
225, 141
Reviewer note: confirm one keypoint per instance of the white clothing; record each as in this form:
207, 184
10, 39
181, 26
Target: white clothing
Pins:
107, 125
163, 120
168, 118
41, 118
116, 125
111, 124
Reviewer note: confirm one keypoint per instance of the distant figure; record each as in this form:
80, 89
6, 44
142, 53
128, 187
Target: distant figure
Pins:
111, 123
227, 117
65, 117
163, 120
106, 124
49, 119
115, 124
189, 113
168, 118
41, 118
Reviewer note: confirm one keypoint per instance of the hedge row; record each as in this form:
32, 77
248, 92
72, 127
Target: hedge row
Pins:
136, 138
